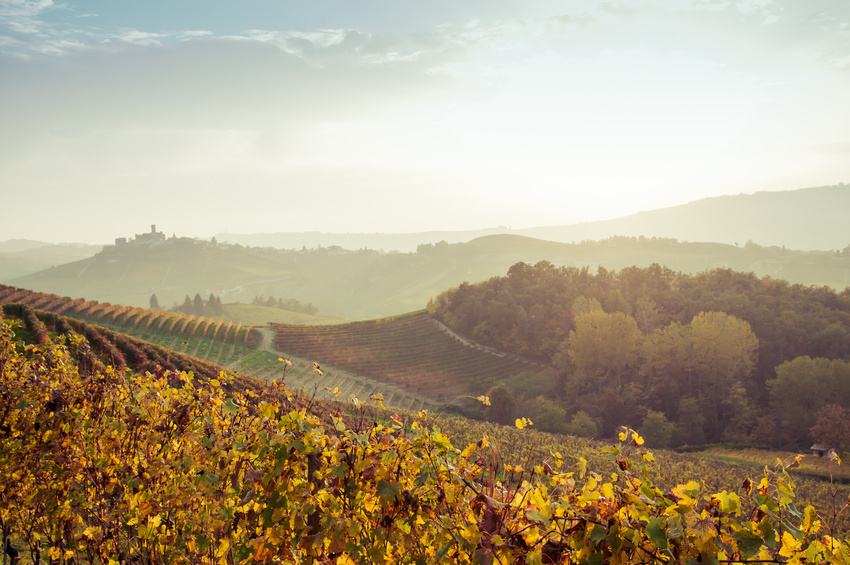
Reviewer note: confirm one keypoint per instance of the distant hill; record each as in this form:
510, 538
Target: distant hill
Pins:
19, 257
367, 284
809, 219
17, 245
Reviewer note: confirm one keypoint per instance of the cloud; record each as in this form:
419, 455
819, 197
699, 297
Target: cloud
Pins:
137, 37
21, 16
23, 8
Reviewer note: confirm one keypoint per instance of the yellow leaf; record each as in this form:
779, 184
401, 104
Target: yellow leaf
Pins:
522, 423
223, 546
790, 545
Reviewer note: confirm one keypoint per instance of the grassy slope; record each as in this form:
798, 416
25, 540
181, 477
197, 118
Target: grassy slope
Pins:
812, 465
262, 315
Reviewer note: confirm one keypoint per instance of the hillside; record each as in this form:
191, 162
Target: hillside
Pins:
412, 359
166, 468
367, 284
417, 352
19, 257
158, 336
808, 218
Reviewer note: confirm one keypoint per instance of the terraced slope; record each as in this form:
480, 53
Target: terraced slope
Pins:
413, 351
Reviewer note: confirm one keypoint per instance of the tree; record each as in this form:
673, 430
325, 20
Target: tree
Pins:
665, 367
546, 414
198, 305
214, 305
742, 420
803, 386
711, 361
691, 423
604, 346
723, 354
502, 404
656, 430
833, 427
186, 307
646, 312
155, 302
583, 425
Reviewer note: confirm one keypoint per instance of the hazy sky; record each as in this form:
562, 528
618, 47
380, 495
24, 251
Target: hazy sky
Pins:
206, 116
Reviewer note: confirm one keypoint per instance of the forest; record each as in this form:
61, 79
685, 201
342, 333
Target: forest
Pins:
720, 356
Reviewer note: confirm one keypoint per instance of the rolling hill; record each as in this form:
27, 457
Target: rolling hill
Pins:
19, 257
366, 284
808, 218
811, 218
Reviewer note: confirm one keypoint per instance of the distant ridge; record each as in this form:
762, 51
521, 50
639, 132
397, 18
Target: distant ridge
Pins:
19, 257
803, 219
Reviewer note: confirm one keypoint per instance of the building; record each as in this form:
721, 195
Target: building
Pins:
152, 237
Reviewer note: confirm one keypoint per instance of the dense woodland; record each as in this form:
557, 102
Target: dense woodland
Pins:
689, 359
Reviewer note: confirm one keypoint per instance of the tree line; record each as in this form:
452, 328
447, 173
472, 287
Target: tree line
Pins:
689, 359
194, 306
289, 304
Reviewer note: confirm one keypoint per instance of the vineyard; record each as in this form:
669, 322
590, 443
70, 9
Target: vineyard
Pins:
106, 466
227, 344
413, 351
134, 319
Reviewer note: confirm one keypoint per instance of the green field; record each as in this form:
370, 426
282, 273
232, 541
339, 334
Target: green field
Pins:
262, 316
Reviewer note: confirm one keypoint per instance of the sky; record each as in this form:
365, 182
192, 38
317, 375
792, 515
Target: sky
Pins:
260, 116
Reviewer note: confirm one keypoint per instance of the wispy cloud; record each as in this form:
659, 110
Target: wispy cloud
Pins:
21, 16
23, 8
137, 37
